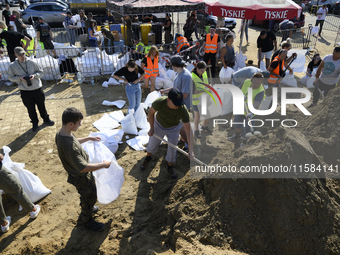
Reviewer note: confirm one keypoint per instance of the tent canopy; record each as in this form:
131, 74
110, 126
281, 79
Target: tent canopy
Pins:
248, 9
152, 6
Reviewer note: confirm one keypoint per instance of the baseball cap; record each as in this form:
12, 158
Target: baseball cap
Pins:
19, 50
212, 27
337, 48
176, 97
177, 60
40, 18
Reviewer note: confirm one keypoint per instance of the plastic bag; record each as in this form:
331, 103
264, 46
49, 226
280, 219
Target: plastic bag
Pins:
240, 61
315, 30
109, 181
225, 74
140, 118
110, 138
30, 183
262, 66
289, 80
129, 124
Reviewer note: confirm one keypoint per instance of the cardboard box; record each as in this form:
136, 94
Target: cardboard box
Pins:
116, 35
152, 38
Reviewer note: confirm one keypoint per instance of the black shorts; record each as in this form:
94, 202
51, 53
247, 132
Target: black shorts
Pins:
48, 45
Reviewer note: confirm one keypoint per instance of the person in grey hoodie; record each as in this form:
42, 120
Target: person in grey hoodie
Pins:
27, 73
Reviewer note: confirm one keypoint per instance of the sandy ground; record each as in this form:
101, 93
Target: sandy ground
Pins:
156, 215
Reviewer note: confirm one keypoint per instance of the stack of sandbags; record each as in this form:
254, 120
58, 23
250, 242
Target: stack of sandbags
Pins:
50, 67
4, 63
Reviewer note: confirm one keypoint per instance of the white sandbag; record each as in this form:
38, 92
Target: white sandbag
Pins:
110, 138
159, 83
150, 98
240, 60
77, 19
162, 72
171, 74
117, 115
118, 103
105, 123
190, 67
299, 63
129, 125
262, 66
109, 181
113, 81
289, 80
315, 30
30, 183
140, 118
105, 84
40, 52
309, 82
303, 80
225, 74
138, 142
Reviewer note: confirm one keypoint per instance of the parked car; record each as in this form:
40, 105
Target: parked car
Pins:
53, 13
63, 2
212, 20
312, 5
297, 22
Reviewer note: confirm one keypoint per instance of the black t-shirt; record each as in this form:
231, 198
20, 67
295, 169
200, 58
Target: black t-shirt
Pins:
7, 15
274, 65
218, 38
311, 65
44, 30
129, 76
266, 44
13, 39
167, 22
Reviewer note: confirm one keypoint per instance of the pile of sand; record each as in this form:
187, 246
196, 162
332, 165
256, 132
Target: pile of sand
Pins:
267, 216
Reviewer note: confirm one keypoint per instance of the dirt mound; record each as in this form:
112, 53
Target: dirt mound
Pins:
268, 216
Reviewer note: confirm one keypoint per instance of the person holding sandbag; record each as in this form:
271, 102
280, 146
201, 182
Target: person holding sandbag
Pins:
132, 88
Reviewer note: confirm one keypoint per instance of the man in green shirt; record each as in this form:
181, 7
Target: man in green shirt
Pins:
170, 111
76, 163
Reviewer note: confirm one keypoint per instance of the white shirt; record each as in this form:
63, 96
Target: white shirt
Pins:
321, 13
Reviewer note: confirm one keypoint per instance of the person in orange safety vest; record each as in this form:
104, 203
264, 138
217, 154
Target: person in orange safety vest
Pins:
211, 48
150, 66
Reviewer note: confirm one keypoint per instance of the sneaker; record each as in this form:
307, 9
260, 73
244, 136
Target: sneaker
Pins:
207, 129
171, 172
4, 229
197, 134
35, 214
311, 105
35, 127
94, 226
234, 137
49, 122
95, 209
145, 163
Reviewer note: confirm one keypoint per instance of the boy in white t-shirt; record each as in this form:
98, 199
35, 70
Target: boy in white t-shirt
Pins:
321, 13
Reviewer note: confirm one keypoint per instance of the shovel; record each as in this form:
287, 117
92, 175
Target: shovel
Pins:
252, 132
322, 95
180, 150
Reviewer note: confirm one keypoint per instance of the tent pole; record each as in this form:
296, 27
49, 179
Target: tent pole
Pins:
177, 22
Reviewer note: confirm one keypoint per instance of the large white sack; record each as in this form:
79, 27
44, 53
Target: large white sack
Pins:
105, 123
140, 118
110, 138
30, 183
150, 98
299, 63
109, 181
129, 124
225, 74
117, 115
262, 66
310, 81
171, 74
289, 80
239, 60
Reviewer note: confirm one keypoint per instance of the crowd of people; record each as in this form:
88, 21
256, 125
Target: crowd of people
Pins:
169, 114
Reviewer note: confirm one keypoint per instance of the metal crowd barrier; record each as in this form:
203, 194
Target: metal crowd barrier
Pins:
301, 37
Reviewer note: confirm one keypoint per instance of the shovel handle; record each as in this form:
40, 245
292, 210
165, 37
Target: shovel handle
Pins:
180, 150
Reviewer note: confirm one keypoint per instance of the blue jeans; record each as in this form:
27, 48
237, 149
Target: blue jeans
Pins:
134, 95
72, 35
